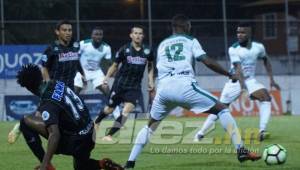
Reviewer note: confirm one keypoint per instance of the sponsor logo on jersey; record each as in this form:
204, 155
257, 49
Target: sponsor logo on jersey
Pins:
69, 56
136, 60
58, 91
45, 115
55, 48
127, 50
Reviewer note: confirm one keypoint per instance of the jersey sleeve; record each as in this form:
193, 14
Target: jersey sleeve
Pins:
50, 113
197, 50
233, 55
120, 55
81, 47
47, 58
262, 51
108, 53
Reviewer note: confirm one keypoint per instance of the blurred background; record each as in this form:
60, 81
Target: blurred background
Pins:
28, 26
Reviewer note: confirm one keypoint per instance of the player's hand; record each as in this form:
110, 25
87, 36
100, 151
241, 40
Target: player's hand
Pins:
105, 81
150, 86
234, 77
274, 84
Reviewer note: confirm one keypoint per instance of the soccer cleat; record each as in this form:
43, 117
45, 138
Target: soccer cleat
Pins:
107, 138
129, 165
198, 137
263, 135
244, 155
49, 167
108, 164
14, 134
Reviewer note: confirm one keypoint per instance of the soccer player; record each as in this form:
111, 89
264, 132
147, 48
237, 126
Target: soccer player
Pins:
243, 57
174, 58
92, 51
134, 57
60, 62
65, 123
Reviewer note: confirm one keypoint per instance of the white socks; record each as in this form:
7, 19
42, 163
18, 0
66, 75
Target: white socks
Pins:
229, 124
140, 141
209, 122
264, 114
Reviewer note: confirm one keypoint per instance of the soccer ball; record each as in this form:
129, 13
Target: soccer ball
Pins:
274, 154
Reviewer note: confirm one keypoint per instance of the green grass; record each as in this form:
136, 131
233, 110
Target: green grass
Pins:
284, 130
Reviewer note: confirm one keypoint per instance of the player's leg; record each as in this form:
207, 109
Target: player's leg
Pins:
264, 111
259, 92
78, 83
120, 121
31, 127
230, 92
158, 112
14, 134
203, 101
113, 101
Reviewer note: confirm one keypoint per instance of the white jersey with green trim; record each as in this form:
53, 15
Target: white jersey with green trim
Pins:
175, 55
247, 56
90, 57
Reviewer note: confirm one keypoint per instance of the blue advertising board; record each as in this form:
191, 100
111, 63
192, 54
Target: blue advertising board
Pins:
12, 57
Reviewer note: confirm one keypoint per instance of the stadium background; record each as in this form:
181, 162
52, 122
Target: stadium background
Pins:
27, 27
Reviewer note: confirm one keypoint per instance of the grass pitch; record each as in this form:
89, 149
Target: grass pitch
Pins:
176, 152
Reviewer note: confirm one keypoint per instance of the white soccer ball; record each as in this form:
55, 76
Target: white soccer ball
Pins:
274, 154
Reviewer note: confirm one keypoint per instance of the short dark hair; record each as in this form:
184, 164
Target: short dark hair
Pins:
30, 77
180, 20
97, 28
61, 22
137, 26
244, 24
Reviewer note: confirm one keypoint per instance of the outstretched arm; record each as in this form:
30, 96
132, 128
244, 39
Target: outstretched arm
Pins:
240, 75
112, 69
216, 67
268, 67
53, 140
150, 76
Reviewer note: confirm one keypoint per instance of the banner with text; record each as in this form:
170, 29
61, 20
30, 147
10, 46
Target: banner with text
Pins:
12, 57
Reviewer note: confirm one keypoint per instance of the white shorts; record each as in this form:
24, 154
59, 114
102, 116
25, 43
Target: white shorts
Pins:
232, 91
185, 92
96, 77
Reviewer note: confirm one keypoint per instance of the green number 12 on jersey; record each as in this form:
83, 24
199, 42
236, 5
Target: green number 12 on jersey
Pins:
176, 49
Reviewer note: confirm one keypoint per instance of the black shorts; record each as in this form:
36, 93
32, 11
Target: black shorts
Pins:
118, 96
76, 145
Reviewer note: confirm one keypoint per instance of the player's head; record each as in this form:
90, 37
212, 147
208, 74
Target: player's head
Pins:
97, 34
30, 77
63, 30
181, 24
243, 32
137, 34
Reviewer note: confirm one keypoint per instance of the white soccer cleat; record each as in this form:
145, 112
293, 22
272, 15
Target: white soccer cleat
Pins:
14, 134
198, 137
107, 138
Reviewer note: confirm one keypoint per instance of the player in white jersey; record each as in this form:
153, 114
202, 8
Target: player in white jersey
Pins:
177, 87
243, 57
92, 51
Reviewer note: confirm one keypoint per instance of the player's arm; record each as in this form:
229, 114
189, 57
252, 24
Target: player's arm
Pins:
53, 140
111, 71
47, 62
268, 67
239, 74
150, 75
216, 67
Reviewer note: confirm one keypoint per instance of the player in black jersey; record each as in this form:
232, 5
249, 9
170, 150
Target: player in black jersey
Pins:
60, 62
61, 59
65, 122
133, 57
